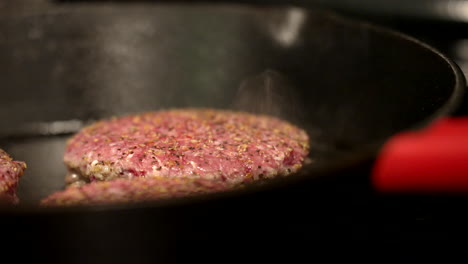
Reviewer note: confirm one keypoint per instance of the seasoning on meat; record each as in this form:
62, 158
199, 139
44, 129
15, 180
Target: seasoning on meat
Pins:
10, 173
134, 190
233, 147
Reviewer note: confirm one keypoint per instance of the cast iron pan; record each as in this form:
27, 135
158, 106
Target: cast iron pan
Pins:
351, 85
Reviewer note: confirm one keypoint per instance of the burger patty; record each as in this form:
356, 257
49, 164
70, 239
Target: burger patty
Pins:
232, 147
10, 173
134, 190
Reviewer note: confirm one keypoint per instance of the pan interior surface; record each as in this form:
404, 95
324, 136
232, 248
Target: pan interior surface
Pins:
347, 84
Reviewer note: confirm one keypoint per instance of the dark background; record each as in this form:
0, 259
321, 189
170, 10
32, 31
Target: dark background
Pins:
442, 24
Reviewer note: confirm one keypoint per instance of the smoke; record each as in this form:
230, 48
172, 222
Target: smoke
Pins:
269, 93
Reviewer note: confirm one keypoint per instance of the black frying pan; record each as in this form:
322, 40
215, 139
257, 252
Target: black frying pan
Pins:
351, 85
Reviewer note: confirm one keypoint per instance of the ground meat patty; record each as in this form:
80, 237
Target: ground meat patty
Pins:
10, 173
186, 143
134, 190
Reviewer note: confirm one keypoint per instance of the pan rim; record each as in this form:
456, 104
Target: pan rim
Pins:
364, 153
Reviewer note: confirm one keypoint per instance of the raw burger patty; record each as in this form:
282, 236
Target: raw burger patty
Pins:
134, 190
10, 173
209, 144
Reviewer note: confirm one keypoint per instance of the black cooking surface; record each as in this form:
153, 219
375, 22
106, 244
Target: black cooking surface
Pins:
413, 223
444, 31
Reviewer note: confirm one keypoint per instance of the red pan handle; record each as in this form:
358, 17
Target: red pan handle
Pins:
433, 160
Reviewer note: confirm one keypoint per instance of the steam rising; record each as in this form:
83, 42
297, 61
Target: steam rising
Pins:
269, 93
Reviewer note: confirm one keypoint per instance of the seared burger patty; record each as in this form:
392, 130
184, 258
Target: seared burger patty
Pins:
134, 190
10, 173
210, 144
